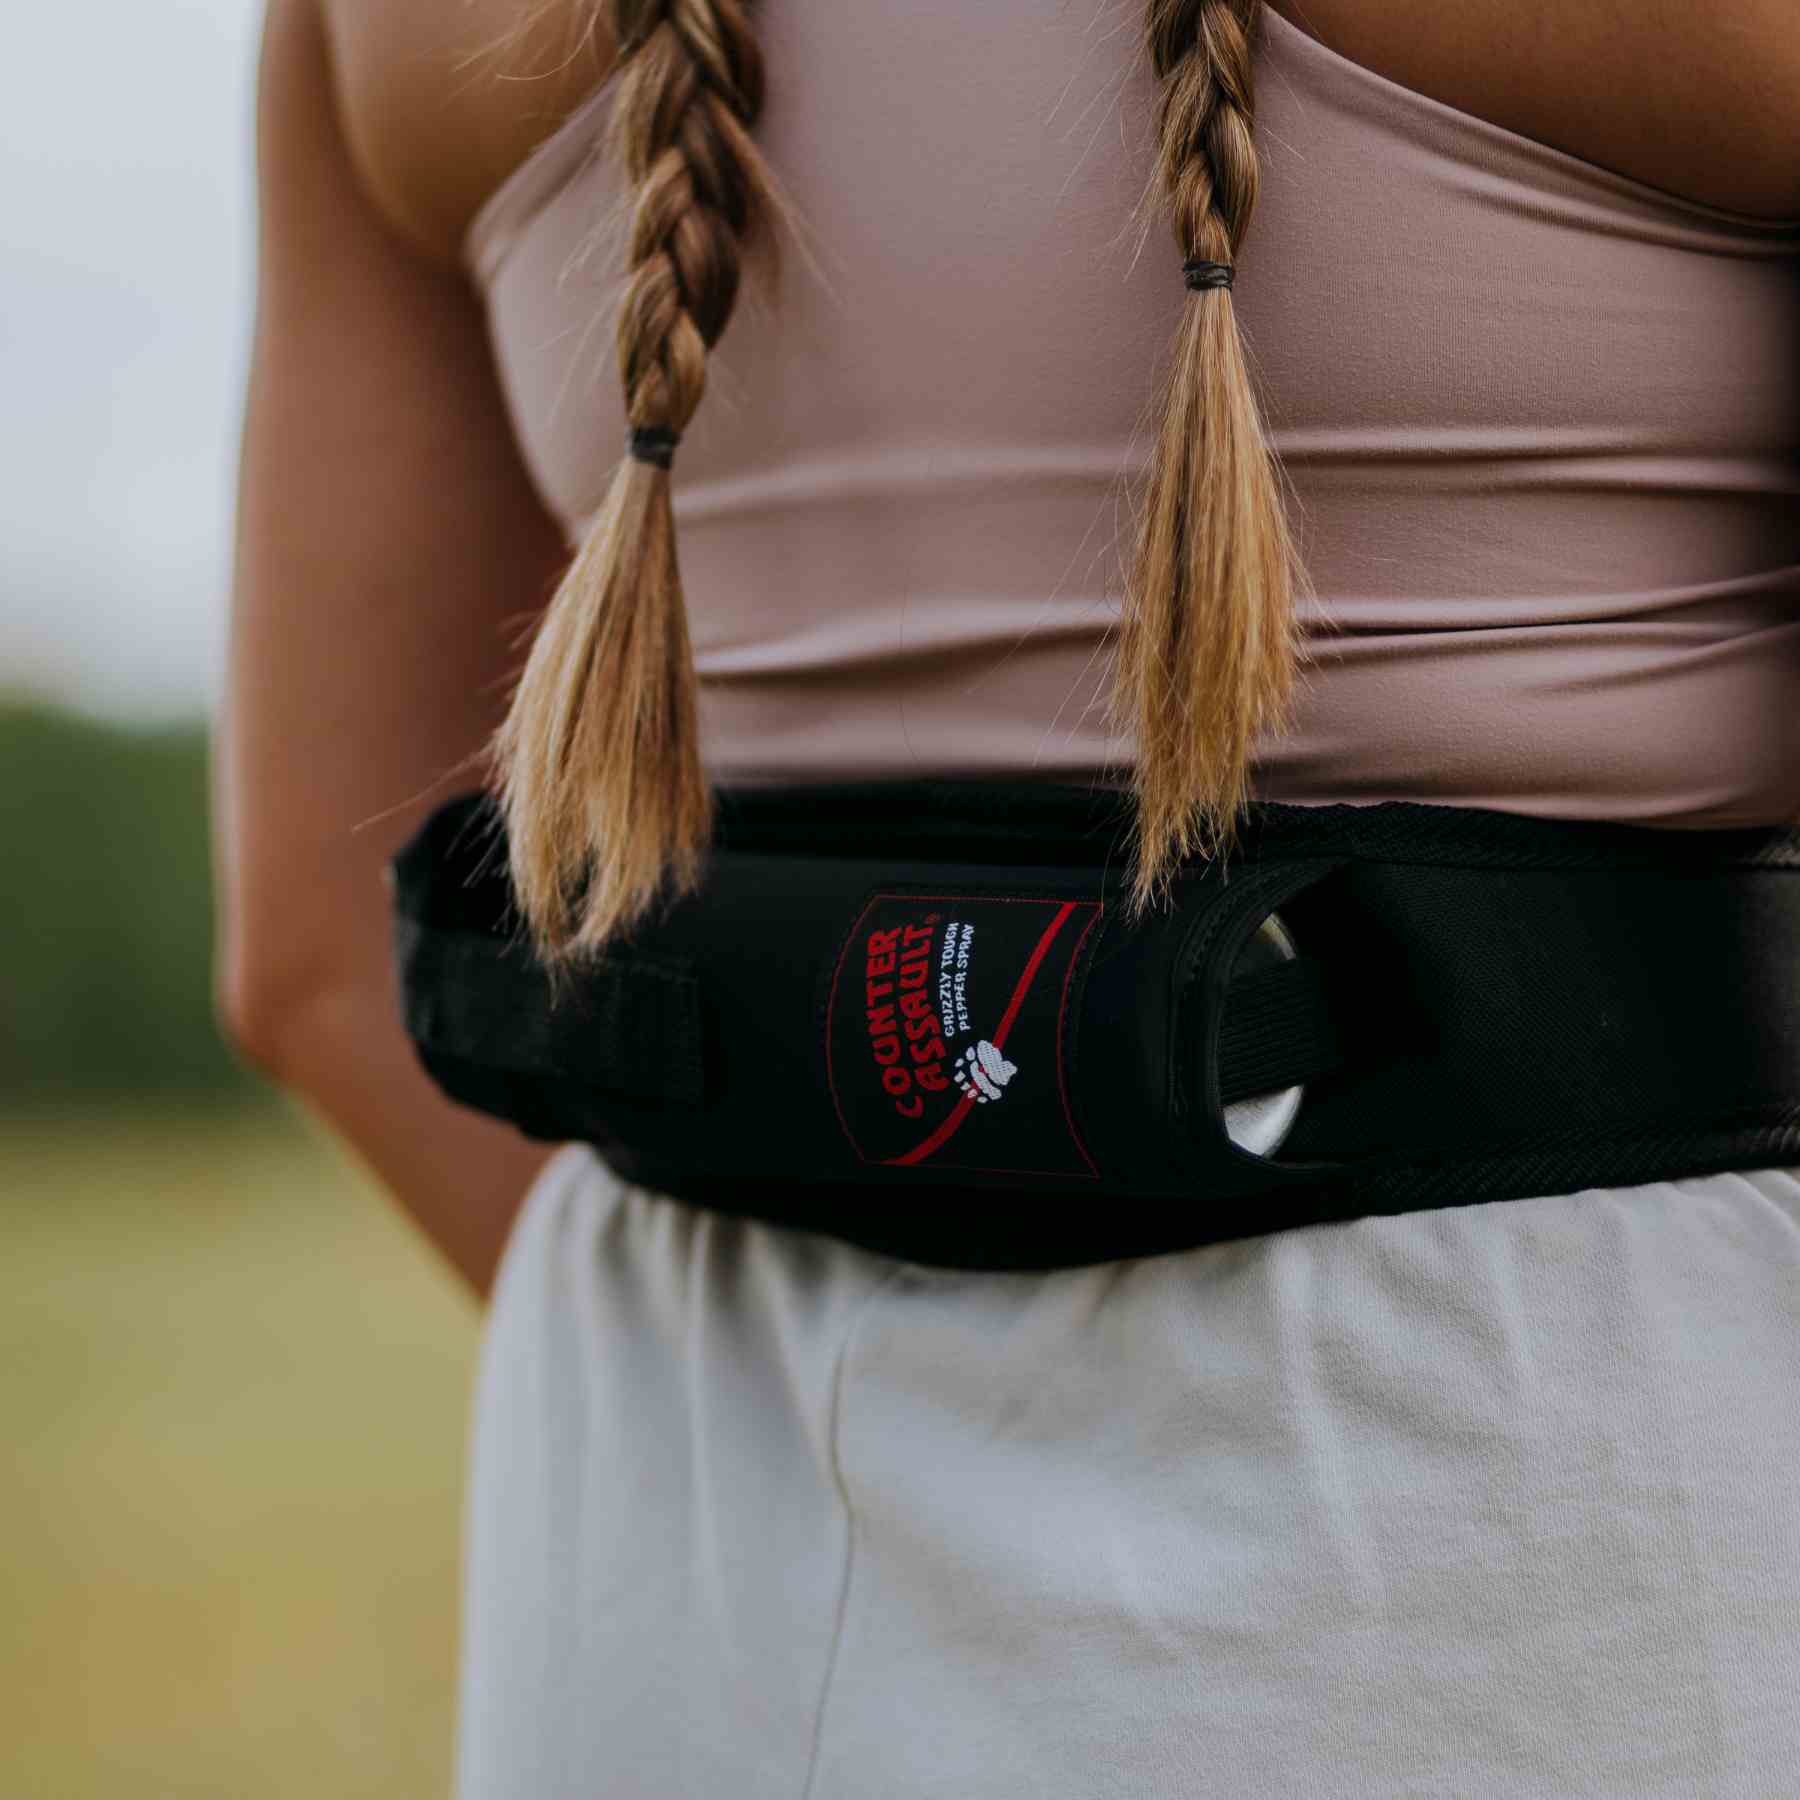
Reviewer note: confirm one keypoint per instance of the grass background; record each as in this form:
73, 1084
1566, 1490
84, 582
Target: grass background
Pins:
232, 1386
233, 1381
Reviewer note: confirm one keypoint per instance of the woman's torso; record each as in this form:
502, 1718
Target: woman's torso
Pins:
1541, 420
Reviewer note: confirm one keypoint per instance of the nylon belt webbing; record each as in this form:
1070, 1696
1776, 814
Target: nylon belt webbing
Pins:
631, 1024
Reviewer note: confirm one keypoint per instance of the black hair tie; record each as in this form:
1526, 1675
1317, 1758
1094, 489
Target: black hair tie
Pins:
654, 444
1204, 275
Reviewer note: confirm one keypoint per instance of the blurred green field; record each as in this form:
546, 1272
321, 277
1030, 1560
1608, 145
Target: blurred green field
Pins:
232, 1388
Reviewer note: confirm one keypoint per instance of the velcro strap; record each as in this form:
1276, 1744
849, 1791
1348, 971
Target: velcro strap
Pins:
631, 1024
1278, 1030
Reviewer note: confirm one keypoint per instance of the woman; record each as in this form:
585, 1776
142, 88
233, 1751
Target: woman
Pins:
1484, 1500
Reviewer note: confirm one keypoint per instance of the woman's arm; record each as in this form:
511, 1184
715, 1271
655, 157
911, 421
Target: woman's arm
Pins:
389, 548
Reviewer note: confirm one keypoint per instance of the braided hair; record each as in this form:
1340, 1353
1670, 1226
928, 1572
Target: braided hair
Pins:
597, 765
1208, 646
598, 762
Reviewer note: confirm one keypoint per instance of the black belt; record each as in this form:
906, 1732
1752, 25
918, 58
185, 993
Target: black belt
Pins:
919, 1016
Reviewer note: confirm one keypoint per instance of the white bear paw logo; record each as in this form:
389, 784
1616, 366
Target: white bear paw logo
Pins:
982, 1073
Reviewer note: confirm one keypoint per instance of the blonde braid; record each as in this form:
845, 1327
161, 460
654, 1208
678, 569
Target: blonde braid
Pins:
1208, 651
597, 764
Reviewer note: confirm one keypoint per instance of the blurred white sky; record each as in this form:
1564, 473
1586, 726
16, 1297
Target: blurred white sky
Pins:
125, 297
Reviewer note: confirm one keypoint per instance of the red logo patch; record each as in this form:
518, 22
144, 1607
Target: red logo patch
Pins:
944, 1032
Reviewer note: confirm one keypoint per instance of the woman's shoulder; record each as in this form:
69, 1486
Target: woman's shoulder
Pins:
439, 104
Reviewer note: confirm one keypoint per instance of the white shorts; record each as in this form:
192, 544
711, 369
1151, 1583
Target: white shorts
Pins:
1495, 1500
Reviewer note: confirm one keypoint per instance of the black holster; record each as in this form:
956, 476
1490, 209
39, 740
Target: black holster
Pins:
923, 1016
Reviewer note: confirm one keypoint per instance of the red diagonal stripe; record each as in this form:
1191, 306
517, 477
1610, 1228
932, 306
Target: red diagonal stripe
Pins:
966, 1104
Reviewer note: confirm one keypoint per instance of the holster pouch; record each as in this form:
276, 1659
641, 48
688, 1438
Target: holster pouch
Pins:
923, 1016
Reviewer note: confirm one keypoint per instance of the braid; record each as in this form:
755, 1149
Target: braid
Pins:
691, 83
1207, 650
597, 764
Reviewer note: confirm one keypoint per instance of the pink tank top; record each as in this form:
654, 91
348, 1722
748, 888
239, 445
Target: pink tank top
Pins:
1541, 424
